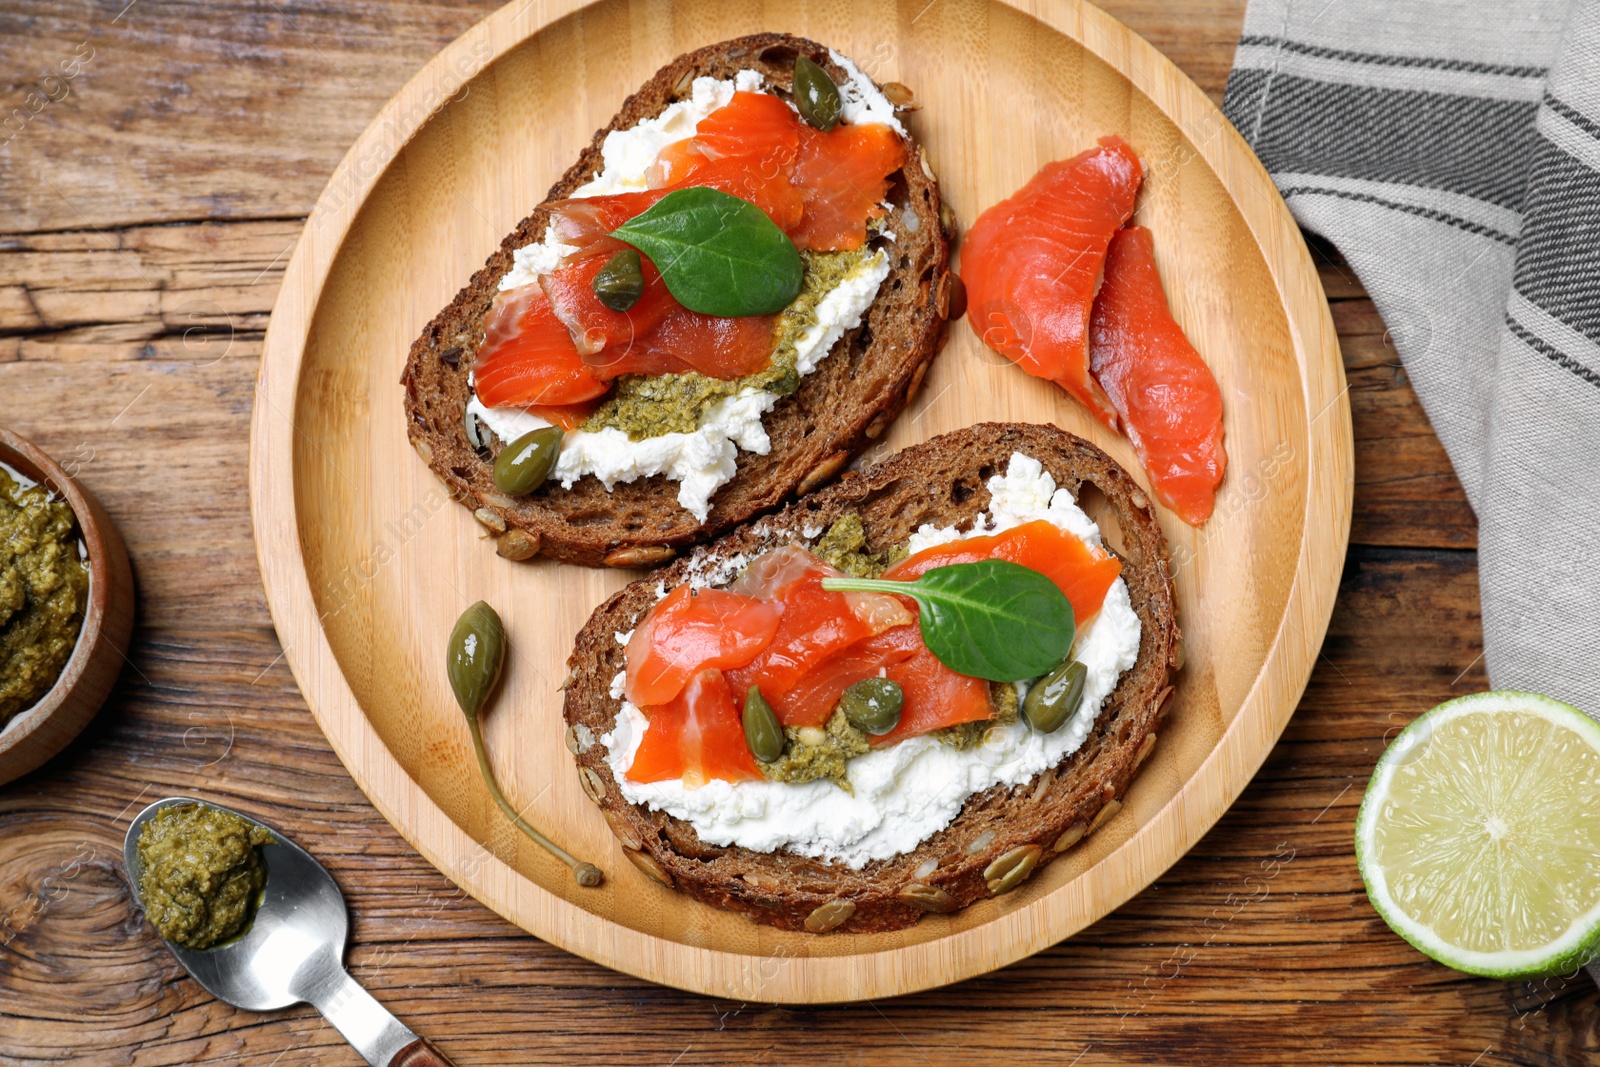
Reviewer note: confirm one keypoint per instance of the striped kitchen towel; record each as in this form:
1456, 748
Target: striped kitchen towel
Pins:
1451, 151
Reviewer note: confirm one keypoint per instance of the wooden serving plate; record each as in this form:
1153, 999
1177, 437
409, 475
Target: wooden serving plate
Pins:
367, 562
41, 731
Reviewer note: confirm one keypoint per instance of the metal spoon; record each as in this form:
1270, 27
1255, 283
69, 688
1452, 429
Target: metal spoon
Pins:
293, 951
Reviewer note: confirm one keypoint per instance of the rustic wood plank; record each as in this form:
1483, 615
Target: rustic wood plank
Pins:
150, 210
1264, 923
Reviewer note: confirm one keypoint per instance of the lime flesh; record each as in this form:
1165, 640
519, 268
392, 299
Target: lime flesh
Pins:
1479, 837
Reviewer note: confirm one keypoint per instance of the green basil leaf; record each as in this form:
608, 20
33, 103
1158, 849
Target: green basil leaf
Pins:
717, 254
993, 619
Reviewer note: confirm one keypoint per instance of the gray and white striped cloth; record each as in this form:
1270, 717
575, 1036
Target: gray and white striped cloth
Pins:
1451, 151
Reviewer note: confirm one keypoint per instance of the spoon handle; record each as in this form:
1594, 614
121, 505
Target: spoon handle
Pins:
382, 1040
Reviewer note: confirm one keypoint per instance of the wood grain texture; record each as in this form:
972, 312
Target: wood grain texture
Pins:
1179, 975
367, 563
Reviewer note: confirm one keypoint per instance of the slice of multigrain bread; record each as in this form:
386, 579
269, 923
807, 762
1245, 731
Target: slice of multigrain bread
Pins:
865, 381
1002, 835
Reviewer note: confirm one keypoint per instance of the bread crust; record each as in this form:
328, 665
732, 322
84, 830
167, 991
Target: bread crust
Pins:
943, 482
864, 382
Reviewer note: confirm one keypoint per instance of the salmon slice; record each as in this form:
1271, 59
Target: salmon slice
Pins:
687, 340
1168, 400
1080, 571
843, 176
816, 623
697, 737
1031, 265
811, 699
691, 631
752, 127
594, 326
935, 696
527, 357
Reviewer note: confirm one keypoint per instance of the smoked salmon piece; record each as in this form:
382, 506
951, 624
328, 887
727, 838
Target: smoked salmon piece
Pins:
527, 357
691, 631
1031, 265
594, 326
1169, 402
1080, 571
816, 623
935, 697
697, 737
686, 340
843, 176
812, 698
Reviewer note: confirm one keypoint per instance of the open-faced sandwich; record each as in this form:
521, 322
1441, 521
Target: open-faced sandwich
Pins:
736, 286
901, 694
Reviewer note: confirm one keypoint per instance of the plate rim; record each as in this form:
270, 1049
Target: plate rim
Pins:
1127, 870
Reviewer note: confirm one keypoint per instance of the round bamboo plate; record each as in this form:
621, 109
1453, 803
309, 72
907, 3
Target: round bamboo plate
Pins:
367, 562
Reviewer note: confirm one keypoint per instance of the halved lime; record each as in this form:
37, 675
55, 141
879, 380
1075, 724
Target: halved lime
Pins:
1479, 837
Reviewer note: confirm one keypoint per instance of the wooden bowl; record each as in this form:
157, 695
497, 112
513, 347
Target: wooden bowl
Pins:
41, 731
368, 562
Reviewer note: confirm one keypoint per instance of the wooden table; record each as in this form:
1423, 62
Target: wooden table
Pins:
152, 199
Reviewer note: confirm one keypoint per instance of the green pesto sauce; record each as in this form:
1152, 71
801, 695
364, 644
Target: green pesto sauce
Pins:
644, 406
44, 588
845, 546
811, 752
203, 875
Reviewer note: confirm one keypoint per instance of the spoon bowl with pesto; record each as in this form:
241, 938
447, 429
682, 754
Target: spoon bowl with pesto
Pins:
257, 921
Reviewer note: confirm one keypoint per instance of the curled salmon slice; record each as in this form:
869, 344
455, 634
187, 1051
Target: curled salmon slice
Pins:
1080, 570
527, 358
816, 623
811, 699
697, 737
843, 176
691, 631
1170, 403
595, 327
686, 340
1031, 265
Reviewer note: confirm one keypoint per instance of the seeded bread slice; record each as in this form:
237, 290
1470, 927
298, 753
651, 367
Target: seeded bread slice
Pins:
1002, 835
850, 398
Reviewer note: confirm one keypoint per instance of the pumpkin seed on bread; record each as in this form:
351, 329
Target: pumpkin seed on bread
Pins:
847, 401
1002, 836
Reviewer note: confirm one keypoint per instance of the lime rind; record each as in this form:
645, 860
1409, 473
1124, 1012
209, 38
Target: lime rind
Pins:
1577, 945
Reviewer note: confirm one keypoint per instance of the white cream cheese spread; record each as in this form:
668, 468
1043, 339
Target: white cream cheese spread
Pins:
906, 792
703, 461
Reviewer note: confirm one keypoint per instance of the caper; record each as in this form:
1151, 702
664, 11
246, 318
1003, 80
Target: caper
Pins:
477, 652
525, 463
1055, 697
620, 283
815, 95
761, 729
873, 705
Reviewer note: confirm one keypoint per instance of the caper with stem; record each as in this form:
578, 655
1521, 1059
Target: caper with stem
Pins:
816, 97
762, 731
873, 705
524, 464
1054, 698
620, 283
476, 655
